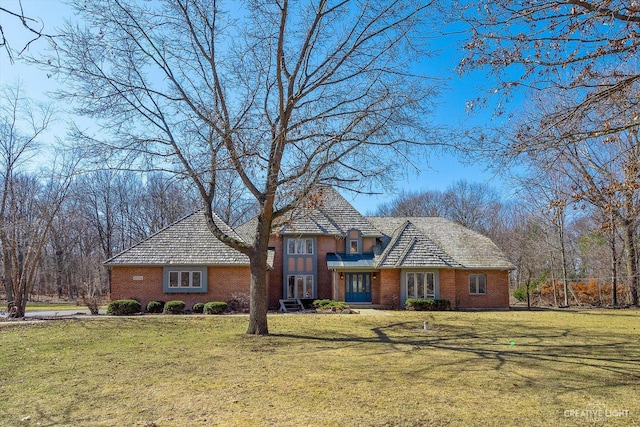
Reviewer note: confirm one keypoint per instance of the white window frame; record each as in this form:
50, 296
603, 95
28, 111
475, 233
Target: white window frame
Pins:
425, 284
190, 273
181, 275
307, 285
300, 246
357, 241
474, 283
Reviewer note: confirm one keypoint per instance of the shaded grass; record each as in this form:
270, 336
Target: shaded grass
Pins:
323, 370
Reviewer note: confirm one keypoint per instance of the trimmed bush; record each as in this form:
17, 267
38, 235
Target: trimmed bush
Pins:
428, 304
123, 307
198, 307
330, 305
174, 307
215, 307
155, 307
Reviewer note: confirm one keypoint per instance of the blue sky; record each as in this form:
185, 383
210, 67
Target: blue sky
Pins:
435, 173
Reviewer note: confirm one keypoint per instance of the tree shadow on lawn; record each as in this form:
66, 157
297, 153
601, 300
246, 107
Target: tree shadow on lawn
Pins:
551, 351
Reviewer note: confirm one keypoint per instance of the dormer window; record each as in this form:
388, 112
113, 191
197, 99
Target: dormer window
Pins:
354, 242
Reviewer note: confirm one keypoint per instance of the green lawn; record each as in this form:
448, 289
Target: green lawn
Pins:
520, 368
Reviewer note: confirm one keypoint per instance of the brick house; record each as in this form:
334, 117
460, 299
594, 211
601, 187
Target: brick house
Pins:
328, 250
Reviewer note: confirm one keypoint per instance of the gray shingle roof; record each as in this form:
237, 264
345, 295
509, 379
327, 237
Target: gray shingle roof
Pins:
332, 215
188, 241
409, 247
435, 242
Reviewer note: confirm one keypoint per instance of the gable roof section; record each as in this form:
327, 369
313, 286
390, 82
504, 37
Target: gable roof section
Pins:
332, 215
187, 241
409, 247
436, 242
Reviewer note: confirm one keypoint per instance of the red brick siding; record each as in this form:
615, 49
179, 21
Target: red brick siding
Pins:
223, 282
389, 289
448, 288
497, 295
340, 296
326, 244
274, 277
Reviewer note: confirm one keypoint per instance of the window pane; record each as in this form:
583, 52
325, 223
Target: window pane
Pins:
411, 293
354, 246
420, 285
196, 279
309, 246
290, 289
430, 285
173, 279
299, 246
308, 292
184, 279
472, 284
299, 286
482, 284
291, 246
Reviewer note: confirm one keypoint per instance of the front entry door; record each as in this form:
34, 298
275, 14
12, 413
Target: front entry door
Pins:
357, 287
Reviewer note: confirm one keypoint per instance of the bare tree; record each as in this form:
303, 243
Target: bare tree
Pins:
602, 169
284, 96
474, 205
580, 58
26, 215
414, 203
33, 27
586, 49
24, 220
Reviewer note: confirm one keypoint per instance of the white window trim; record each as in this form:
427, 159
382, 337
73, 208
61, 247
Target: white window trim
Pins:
296, 242
190, 285
357, 240
426, 281
476, 284
305, 279
191, 271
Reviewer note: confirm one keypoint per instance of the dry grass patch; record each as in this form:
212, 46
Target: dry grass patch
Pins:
513, 368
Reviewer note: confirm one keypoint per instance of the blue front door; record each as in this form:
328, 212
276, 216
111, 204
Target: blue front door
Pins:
357, 287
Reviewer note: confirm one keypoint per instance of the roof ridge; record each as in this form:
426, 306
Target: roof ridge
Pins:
406, 251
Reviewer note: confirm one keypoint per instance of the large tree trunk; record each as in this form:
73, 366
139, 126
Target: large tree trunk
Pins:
631, 266
563, 258
614, 266
258, 302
